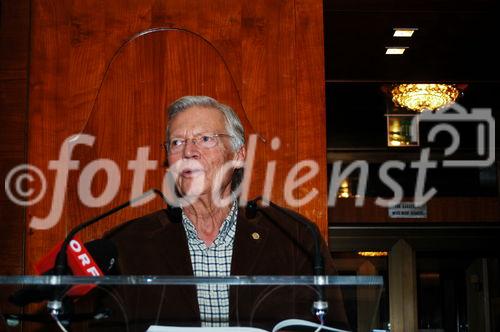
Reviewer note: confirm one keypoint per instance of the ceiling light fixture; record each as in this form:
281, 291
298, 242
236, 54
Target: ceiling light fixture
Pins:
373, 253
425, 96
397, 50
404, 32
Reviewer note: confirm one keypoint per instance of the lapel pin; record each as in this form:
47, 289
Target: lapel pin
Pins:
255, 236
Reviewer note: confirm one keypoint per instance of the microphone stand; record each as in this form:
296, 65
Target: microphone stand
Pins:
13, 320
320, 306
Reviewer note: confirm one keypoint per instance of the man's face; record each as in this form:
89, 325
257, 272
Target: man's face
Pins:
195, 166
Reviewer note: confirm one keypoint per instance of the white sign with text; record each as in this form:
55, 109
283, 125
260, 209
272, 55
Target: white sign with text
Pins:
408, 210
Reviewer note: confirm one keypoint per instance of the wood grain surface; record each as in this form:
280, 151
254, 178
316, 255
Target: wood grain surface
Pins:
14, 48
109, 69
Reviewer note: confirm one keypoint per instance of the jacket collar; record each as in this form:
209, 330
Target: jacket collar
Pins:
249, 242
250, 238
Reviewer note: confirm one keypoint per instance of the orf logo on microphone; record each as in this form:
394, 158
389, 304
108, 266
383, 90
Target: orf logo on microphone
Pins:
82, 264
80, 261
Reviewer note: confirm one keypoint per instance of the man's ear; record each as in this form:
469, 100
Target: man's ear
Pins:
240, 155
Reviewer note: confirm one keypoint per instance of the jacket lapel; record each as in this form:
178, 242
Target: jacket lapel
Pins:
173, 237
249, 241
173, 252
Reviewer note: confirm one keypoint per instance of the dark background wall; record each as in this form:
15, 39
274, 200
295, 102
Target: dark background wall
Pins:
14, 59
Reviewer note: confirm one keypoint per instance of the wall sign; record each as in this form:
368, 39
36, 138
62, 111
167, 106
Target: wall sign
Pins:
408, 210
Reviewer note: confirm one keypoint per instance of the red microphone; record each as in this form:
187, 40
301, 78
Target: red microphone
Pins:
94, 258
72, 256
80, 263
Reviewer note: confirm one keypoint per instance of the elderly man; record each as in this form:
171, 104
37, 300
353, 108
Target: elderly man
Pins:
206, 238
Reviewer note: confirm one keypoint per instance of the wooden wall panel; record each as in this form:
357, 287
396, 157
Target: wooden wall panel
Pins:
149, 72
14, 47
269, 85
269, 59
310, 96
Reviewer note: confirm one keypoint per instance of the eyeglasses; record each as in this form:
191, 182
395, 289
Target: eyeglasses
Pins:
204, 141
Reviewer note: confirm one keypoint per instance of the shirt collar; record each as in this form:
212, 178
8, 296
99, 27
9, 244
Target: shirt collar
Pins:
226, 231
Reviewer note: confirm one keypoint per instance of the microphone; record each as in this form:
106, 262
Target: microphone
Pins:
96, 257
105, 255
251, 208
320, 306
174, 214
61, 261
15, 320
55, 305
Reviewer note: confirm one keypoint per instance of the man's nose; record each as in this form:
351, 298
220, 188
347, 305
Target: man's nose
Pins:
190, 149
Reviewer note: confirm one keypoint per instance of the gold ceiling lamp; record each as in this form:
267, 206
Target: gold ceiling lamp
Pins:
424, 96
373, 253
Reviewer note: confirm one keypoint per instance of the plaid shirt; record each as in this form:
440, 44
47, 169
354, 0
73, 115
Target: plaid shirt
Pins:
213, 261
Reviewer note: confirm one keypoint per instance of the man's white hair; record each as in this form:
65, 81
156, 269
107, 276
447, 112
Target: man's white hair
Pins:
234, 127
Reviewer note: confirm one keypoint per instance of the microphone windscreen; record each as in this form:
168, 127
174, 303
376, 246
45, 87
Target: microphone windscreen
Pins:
100, 252
174, 214
104, 253
251, 209
80, 260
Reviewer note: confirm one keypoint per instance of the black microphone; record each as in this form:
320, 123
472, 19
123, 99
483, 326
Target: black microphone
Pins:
105, 254
174, 214
251, 208
102, 251
55, 305
61, 264
320, 306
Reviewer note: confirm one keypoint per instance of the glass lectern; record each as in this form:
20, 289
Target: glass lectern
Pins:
167, 303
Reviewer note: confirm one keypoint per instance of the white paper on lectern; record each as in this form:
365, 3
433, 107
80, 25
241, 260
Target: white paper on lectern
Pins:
281, 325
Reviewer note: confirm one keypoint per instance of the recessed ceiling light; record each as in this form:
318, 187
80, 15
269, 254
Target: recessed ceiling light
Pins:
395, 50
404, 32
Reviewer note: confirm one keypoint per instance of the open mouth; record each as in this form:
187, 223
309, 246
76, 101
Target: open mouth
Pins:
191, 172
